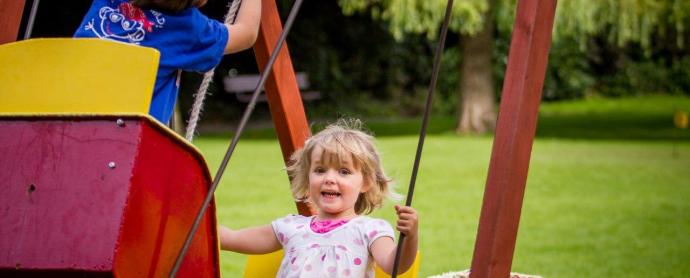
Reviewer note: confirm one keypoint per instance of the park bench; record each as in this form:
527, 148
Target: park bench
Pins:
243, 86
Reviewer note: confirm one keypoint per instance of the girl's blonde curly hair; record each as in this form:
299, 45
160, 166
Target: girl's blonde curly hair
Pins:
339, 141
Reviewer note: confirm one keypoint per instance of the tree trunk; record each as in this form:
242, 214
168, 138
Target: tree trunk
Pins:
476, 102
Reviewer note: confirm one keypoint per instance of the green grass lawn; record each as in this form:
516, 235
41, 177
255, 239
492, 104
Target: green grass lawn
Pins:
593, 208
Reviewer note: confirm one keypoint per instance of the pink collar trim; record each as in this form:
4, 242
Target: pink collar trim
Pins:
325, 226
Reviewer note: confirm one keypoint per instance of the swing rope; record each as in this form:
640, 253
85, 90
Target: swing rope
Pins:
240, 128
425, 121
208, 77
32, 19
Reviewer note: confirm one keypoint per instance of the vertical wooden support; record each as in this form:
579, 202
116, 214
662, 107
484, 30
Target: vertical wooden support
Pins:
10, 18
517, 120
283, 94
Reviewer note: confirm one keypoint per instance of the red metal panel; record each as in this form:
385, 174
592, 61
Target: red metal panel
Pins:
10, 18
505, 186
281, 88
59, 197
89, 196
159, 218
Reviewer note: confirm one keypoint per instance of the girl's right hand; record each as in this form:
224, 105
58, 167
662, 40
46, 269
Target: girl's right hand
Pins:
407, 220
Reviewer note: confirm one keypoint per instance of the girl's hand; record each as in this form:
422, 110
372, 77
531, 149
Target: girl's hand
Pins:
384, 248
407, 220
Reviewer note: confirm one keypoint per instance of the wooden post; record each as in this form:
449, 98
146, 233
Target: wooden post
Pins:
10, 19
283, 94
517, 120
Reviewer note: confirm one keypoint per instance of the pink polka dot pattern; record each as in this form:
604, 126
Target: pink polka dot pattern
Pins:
332, 269
358, 261
307, 267
359, 241
315, 245
372, 234
346, 272
281, 237
342, 247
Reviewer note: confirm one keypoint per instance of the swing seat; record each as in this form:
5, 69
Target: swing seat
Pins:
92, 186
76, 76
267, 265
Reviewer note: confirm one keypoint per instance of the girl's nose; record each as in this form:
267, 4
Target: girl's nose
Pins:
330, 176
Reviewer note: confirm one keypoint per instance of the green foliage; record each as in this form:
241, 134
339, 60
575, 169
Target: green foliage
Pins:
648, 77
568, 74
364, 65
620, 21
421, 16
623, 21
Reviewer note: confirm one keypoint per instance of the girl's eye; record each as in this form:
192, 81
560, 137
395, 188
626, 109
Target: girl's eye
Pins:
345, 171
319, 170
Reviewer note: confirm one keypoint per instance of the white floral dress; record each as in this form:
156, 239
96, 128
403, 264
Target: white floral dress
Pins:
341, 252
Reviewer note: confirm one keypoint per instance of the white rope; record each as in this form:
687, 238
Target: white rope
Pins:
208, 77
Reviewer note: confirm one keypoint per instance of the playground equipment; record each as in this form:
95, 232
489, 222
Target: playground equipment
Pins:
116, 254
92, 185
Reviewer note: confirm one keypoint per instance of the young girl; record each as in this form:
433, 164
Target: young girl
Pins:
186, 39
339, 171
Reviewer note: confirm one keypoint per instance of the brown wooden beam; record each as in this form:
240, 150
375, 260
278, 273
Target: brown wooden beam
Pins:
10, 19
283, 94
517, 121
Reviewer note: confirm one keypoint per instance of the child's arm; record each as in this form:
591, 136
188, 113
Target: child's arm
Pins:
244, 31
255, 240
383, 249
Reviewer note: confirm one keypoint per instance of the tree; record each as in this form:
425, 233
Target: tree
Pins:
472, 19
623, 21
615, 47
620, 22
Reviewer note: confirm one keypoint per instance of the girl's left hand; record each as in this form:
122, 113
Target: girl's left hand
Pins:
407, 220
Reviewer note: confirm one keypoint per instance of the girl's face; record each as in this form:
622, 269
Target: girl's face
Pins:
333, 188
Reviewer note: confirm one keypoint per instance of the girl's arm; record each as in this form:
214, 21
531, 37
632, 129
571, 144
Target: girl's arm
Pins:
244, 31
383, 249
255, 240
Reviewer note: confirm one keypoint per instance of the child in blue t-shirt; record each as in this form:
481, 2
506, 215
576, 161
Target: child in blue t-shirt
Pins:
186, 39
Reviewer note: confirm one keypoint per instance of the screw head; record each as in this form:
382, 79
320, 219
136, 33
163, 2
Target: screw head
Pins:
111, 165
120, 122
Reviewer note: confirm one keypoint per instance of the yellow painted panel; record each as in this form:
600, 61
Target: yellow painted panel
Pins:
267, 265
76, 76
412, 272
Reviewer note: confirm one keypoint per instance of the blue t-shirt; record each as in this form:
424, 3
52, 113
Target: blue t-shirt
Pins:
187, 40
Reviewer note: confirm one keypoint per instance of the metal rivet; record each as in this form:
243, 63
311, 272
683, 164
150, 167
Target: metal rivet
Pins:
111, 165
120, 123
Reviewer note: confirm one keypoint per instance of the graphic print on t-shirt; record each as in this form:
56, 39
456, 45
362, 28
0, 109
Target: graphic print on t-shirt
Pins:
126, 23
